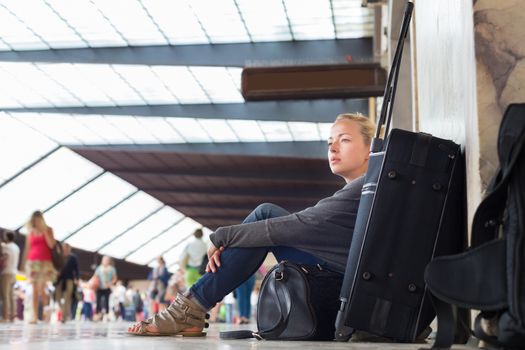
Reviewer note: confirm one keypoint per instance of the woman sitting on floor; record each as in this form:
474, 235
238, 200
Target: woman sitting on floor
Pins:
317, 235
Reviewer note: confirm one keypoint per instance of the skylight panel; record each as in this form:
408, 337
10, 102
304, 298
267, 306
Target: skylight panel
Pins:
18, 90
104, 128
72, 79
44, 184
235, 75
219, 130
130, 127
142, 233
7, 100
83, 206
218, 83
303, 131
87, 21
115, 222
324, 130
144, 80
161, 129
265, 20
182, 84
29, 144
31, 75
311, 19
41, 19
177, 21
247, 130
104, 78
149, 251
136, 26
14, 33
275, 131
352, 20
221, 20
58, 127
190, 129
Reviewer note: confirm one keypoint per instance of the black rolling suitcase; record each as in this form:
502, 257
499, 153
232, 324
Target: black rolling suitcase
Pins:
411, 210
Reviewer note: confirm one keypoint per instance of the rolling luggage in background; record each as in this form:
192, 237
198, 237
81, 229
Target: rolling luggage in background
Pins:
411, 209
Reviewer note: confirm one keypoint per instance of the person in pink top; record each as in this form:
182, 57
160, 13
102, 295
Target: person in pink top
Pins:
37, 252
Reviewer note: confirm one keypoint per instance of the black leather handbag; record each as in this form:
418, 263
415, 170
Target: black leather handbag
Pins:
296, 302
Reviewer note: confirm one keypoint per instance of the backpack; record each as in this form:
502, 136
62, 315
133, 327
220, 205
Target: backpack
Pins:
490, 276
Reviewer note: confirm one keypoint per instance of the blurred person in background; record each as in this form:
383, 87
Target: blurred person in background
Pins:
192, 257
120, 300
244, 294
11, 255
107, 277
160, 277
66, 283
37, 257
88, 298
138, 304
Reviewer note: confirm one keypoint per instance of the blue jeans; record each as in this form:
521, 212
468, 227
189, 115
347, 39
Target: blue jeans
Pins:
238, 264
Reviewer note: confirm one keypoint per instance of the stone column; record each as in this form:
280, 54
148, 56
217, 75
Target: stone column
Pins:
500, 65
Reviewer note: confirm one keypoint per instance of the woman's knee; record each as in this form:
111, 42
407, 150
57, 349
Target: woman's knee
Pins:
267, 210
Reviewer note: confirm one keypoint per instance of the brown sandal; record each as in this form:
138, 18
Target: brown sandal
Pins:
181, 314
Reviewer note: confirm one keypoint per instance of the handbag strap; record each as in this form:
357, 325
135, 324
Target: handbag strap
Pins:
284, 312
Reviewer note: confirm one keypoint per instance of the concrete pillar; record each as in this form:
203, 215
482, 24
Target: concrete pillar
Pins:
444, 80
500, 64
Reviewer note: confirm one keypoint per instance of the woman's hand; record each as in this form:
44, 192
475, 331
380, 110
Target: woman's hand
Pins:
214, 261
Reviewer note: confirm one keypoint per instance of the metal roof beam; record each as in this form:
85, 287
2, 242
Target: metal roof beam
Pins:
247, 207
234, 55
279, 175
300, 149
303, 192
305, 111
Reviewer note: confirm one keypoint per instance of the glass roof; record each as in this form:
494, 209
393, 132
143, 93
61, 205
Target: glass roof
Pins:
30, 146
116, 222
45, 184
93, 209
86, 206
142, 233
164, 242
26, 84
35, 24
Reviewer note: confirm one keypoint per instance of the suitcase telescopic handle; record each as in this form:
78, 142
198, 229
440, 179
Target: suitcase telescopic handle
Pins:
391, 85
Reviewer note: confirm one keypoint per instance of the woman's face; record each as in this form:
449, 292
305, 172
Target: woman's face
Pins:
347, 152
38, 223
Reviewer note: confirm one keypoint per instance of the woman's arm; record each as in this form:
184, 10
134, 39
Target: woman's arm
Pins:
309, 228
50, 238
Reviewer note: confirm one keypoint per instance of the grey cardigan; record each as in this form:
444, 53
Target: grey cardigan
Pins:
324, 230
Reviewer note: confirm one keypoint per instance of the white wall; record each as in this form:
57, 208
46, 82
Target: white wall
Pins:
444, 86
